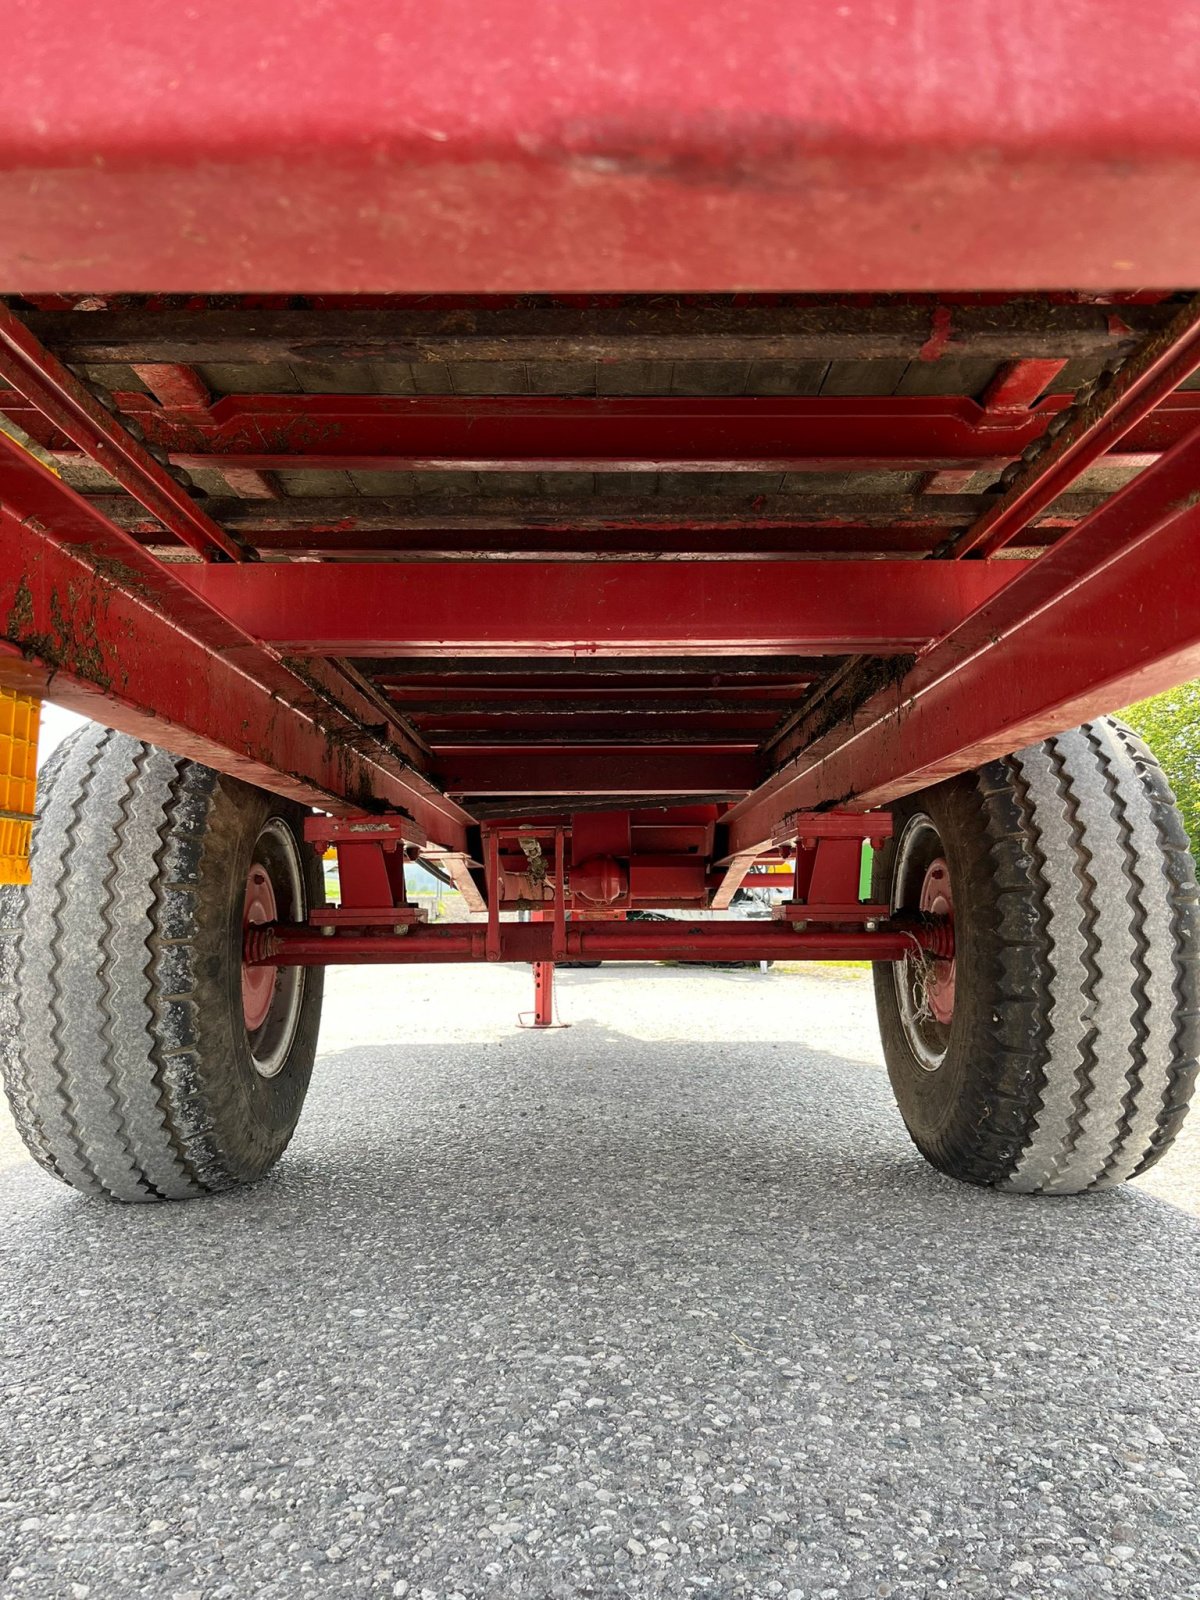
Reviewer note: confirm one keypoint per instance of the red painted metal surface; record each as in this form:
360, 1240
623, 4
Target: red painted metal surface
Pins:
82, 606
599, 880
543, 994
826, 874
1109, 615
638, 144
287, 945
112, 656
523, 608
1014, 389
322, 831
601, 726
371, 854
258, 983
1147, 382
370, 887
176, 387
615, 770
62, 400
651, 146
574, 433
667, 881
600, 835
937, 900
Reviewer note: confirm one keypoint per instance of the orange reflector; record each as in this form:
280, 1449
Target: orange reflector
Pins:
20, 715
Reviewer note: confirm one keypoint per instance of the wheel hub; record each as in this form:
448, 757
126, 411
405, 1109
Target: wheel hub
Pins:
925, 981
258, 983
272, 997
937, 900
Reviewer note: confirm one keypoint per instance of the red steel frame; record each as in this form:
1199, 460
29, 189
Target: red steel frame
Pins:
528, 867
496, 608
282, 945
511, 433
656, 146
652, 145
1107, 616
88, 604
119, 638
375, 923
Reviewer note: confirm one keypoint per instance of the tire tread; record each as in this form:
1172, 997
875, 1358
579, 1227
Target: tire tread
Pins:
115, 1078
1084, 912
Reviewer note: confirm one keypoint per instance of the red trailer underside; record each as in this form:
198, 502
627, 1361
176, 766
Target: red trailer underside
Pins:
707, 433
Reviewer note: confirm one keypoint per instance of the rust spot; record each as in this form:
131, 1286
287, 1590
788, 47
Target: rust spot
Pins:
939, 336
20, 613
121, 576
72, 642
873, 675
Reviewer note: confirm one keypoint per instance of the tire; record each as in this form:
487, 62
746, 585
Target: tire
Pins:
1057, 1052
126, 1054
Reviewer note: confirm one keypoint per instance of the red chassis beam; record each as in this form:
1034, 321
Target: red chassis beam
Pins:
112, 635
567, 608
616, 770
1141, 389
635, 145
60, 402
519, 433
282, 944
1108, 615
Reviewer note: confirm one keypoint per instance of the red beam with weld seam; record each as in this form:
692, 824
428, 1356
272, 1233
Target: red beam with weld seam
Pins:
285, 945
1109, 615
574, 433
60, 398
624, 607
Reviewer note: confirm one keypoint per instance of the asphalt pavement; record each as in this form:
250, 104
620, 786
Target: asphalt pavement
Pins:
661, 1304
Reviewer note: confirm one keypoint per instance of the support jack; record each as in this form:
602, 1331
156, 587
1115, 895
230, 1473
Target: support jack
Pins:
543, 999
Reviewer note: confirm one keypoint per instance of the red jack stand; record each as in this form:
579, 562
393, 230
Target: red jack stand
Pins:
543, 999
543, 971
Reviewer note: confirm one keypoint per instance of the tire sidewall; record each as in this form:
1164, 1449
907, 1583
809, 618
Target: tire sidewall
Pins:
250, 1117
936, 1104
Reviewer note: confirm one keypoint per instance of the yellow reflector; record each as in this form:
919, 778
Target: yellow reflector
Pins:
19, 718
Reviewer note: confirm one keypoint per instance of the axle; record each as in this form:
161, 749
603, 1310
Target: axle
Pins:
290, 945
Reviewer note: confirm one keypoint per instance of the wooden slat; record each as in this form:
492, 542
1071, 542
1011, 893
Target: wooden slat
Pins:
658, 330
487, 513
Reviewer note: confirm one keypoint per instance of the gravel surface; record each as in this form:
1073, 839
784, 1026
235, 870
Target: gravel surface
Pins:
663, 1304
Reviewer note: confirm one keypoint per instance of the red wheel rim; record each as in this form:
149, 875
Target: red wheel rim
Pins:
937, 900
258, 983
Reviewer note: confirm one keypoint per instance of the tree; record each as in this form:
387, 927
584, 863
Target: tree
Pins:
1170, 725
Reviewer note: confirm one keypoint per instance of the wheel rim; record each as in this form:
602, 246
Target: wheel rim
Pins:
272, 996
925, 986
